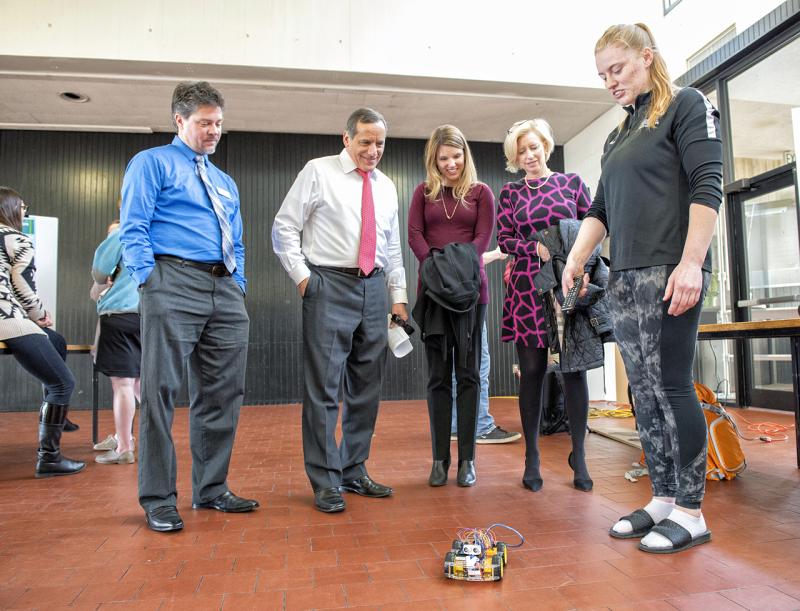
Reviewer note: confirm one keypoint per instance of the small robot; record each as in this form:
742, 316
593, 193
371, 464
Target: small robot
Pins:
476, 556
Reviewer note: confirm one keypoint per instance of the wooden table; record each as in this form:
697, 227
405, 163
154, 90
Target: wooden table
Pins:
766, 329
79, 349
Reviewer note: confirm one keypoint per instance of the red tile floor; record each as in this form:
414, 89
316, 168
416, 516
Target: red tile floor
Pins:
80, 542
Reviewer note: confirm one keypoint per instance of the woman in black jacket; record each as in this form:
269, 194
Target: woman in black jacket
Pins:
658, 196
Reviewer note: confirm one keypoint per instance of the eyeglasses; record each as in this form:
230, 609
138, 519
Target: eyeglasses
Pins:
24, 207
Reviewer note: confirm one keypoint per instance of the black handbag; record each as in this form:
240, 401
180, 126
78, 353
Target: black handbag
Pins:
554, 414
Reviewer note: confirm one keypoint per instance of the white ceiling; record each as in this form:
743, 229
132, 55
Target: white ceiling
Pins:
135, 96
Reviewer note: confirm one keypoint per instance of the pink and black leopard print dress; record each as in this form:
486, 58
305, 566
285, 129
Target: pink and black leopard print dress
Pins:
525, 207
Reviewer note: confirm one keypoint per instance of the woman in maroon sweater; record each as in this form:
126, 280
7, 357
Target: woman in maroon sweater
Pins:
452, 206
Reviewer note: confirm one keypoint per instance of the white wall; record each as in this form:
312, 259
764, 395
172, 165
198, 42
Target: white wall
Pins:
693, 23
582, 153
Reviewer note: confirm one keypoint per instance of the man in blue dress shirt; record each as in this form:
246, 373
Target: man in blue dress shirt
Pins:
181, 231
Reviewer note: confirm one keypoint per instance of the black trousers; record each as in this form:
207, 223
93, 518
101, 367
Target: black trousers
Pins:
440, 391
43, 357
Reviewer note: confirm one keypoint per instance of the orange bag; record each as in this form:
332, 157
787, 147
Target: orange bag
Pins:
725, 456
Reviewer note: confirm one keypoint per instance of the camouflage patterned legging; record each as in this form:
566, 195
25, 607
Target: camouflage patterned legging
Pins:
658, 351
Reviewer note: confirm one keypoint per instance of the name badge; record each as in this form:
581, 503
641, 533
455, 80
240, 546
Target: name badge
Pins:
223, 192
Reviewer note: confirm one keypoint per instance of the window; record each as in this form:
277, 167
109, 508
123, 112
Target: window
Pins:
765, 113
669, 5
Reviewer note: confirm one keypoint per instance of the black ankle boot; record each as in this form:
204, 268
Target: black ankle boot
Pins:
51, 425
439, 470
583, 484
466, 473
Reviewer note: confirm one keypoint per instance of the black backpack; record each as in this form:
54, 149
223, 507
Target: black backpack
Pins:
554, 415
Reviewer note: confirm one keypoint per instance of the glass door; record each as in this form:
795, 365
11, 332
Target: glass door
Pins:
766, 258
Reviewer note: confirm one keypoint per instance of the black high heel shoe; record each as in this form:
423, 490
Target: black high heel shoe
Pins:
438, 475
534, 484
582, 484
532, 478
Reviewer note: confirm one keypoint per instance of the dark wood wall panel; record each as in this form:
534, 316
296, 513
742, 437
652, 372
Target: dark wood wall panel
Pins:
77, 177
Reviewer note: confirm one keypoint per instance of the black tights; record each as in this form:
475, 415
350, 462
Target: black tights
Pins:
533, 365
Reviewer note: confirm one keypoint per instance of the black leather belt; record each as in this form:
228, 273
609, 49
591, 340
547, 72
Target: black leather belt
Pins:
355, 271
215, 269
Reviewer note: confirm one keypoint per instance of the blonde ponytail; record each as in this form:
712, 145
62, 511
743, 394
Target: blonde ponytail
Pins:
639, 37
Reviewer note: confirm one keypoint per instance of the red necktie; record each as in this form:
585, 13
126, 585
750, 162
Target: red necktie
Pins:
366, 250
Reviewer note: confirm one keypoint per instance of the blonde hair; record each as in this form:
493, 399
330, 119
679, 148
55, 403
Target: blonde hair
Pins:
448, 135
540, 127
638, 37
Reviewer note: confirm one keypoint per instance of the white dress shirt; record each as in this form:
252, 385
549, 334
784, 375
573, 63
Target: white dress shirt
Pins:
324, 204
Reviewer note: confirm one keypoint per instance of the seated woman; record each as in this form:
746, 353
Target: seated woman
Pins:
452, 206
22, 320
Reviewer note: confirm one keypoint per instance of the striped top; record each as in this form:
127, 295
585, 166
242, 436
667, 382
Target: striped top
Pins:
19, 303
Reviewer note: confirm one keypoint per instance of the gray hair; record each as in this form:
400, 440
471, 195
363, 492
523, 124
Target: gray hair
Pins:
364, 115
188, 97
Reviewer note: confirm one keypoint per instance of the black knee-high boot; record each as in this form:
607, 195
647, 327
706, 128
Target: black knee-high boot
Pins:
51, 424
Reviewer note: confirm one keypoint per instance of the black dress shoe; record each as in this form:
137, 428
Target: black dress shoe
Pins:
229, 503
163, 519
329, 500
438, 475
366, 487
466, 473
70, 426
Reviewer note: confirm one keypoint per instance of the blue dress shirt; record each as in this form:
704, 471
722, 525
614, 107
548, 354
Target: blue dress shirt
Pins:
166, 211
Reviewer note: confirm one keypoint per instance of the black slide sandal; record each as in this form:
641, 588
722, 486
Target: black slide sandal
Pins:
640, 520
680, 538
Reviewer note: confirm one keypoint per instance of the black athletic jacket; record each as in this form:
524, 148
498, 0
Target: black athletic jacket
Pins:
650, 177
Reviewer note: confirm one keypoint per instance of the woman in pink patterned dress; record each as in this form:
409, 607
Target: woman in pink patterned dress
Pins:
540, 199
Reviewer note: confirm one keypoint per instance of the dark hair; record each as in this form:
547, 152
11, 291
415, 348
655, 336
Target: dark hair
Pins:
364, 115
188, 97
10, 202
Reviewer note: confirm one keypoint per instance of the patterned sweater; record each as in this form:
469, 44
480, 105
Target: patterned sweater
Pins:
19, 303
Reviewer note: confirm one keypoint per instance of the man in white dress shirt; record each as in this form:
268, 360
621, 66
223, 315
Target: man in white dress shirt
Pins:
346, 210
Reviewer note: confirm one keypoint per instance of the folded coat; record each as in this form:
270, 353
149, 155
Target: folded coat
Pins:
589, 325
450, 287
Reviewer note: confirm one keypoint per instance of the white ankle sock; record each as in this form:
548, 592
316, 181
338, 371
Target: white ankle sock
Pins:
657, 509
695, 525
